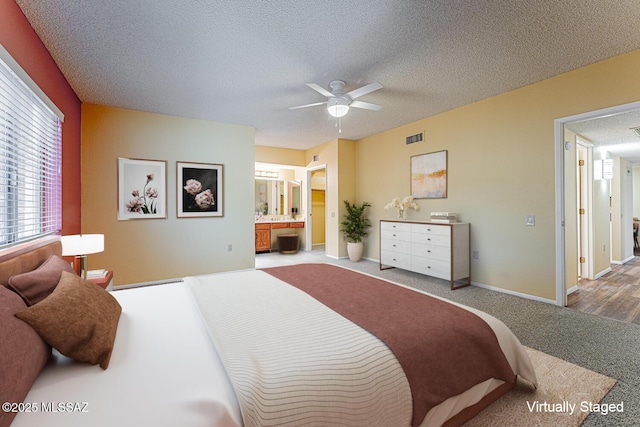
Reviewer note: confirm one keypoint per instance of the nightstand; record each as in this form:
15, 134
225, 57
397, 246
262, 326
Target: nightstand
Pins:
105, 282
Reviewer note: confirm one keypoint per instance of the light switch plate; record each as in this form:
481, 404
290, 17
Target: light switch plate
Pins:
531, 220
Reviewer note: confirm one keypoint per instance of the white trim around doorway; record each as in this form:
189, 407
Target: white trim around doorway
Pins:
561, 287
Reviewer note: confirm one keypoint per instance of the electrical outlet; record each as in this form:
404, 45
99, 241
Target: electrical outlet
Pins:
229, 247
474, 254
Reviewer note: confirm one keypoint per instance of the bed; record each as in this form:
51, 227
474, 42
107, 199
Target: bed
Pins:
290, 345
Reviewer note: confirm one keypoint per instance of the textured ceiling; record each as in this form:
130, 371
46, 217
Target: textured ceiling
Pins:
245, 62
613, 133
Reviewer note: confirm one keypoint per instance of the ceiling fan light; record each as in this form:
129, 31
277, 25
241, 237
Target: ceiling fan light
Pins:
338, 110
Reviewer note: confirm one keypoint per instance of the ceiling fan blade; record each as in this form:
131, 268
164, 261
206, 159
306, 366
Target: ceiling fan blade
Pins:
320, 89
365, 105
307, 105
356, 93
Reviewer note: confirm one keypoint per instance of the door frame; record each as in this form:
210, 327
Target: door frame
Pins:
585, 230
308, 216
561, 285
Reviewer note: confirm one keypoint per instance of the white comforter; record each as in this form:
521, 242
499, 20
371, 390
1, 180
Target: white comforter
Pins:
294, 362
164, 372
285, 355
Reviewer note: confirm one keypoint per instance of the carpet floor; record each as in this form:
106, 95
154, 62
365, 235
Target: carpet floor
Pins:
604, 346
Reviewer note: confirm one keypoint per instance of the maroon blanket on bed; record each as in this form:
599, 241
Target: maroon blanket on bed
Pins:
443, 349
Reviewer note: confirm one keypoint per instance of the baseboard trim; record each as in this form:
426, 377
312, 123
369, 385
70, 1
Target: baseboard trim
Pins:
573, 289
602, 273
518, 294
624, 261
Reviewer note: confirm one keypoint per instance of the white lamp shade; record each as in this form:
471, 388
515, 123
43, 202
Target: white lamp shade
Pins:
338, 107
338, 110
82, 244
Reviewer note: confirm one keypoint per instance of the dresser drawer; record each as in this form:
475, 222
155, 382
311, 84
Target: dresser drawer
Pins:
432, 267
396, 235
395, 259
431, 239
399, 246
395, 226
433, 229
442, 253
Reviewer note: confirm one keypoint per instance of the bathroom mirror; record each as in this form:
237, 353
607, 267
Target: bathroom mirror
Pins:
277, 197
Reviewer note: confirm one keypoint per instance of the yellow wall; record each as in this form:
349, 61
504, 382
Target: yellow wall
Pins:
500, 169
157, 249
280, 156
621, 211
339, 157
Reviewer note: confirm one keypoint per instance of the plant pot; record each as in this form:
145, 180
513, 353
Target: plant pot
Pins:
355, 251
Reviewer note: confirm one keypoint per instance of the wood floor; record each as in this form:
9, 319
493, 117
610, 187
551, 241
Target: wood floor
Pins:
615, 295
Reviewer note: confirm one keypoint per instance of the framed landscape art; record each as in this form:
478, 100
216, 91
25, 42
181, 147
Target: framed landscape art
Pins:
142, 189
199, 190
429, 175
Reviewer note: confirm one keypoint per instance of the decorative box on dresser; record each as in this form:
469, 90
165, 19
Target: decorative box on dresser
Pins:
435, 249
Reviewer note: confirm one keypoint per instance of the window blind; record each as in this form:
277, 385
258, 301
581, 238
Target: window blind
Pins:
30, 163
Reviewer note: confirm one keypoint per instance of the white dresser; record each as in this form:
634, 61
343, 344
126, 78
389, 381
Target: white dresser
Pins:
439, 250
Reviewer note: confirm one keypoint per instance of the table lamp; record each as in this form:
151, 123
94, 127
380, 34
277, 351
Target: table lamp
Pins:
81, 245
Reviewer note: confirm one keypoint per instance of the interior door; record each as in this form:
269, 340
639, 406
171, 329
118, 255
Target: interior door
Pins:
317, 210
584, 169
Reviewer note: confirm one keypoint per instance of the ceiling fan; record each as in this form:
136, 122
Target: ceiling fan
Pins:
339, 102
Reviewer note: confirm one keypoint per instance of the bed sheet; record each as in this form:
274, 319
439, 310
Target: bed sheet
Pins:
164, 371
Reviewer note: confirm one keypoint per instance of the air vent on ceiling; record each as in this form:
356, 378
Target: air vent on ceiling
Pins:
636, 130
418, 137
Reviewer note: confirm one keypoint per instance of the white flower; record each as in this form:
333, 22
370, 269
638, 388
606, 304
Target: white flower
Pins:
205, 199
151, 192
408, 203
193, 187
402, 205
395, 203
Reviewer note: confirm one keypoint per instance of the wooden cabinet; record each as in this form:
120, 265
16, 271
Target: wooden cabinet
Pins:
263, 232
288, 224
263, 237
438, 250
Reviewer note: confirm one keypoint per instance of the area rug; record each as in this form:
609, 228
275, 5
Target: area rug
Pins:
565, 396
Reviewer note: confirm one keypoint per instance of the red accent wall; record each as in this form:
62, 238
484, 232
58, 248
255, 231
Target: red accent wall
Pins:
21, 41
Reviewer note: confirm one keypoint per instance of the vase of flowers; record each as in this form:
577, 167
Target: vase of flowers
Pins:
402, 206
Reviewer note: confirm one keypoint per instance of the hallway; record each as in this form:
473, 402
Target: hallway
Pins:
616, 295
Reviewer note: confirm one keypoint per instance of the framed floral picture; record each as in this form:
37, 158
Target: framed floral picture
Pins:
142, 189
199, 190
429, 175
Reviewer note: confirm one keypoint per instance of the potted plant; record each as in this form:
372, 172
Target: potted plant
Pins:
354, 226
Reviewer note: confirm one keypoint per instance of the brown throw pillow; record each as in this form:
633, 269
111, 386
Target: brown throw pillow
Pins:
23, 353
37, 284
79, 319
